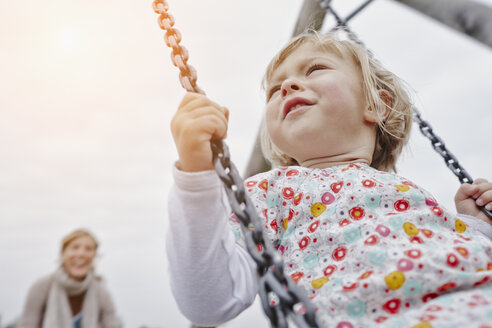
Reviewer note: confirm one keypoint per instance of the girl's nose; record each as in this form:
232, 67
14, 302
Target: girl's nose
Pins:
290, 86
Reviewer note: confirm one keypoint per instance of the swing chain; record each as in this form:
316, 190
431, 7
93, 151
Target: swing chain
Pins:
439, 146
450, 160
179, 54
280, 297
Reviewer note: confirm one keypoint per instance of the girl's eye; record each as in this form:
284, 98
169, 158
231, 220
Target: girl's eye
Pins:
273, 91
315, 67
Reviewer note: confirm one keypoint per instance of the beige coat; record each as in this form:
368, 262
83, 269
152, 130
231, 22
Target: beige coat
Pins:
35, 306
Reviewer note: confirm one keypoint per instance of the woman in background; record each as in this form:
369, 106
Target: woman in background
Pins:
72, 296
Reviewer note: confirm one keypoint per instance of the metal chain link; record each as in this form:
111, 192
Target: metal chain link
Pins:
282, 300
450, 160
179, 54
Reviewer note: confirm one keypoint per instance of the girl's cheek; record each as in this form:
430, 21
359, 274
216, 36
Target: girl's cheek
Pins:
271, 111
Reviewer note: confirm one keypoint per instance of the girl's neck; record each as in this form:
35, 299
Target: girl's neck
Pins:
325, 162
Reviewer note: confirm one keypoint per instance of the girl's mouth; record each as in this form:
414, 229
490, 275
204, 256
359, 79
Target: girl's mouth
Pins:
294, 104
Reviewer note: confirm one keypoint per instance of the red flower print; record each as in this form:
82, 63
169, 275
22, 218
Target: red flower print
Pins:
339, 253
357, 213
381, 319
366, 275
312, 228
296, 276
265, 214
368, 183
431, 202
288, 193
437, 211
416, 240
291, 173
481, 282
426, 232
304, 242
462, 251
328, 271
401, 205
344, 222
372, 240
291, 214
336, 187
263, 184
392, 306
446, 287
452, 260
428, 297
297, 199
351, 287
413, 253
250, 183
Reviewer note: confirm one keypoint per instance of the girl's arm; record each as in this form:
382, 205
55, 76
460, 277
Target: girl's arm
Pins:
213, 279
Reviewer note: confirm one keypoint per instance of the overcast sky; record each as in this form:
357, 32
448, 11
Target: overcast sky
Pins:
87, 91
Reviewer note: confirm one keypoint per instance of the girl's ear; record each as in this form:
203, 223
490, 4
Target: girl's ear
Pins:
379, 114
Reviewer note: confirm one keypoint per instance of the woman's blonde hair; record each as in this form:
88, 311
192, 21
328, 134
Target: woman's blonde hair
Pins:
382, 89
74, 235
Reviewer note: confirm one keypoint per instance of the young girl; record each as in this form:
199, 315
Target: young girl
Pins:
369, 247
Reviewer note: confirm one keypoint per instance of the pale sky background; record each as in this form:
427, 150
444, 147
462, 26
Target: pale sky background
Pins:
87, 91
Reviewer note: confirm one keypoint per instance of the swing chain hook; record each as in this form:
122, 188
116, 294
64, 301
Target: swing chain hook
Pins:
281, 298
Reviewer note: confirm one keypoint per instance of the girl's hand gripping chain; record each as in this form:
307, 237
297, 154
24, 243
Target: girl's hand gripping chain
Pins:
469, 196
197, 121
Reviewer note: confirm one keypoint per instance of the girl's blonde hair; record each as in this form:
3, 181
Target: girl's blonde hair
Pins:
382, 89
74, 235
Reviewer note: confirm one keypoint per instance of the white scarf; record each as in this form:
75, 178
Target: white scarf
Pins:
58, 313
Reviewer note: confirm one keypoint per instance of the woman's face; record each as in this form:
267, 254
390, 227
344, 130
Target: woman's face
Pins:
78, 256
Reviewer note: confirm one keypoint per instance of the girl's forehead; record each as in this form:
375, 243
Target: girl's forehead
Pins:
304, 55
310, 51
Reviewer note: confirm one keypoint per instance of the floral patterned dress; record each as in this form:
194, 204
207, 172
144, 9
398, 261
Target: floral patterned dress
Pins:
371, 248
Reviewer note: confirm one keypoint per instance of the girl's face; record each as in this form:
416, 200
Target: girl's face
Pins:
316, 108
78, 256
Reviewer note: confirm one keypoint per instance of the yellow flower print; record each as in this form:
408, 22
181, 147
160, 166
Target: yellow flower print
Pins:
402, 188
395, 280
318, 283
317, 209
460, 226
423, 324
410, 229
